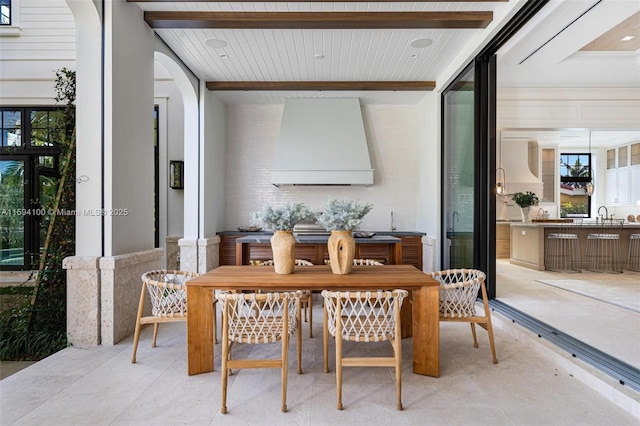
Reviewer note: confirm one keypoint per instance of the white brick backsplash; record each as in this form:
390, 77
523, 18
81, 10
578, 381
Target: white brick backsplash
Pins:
252, 132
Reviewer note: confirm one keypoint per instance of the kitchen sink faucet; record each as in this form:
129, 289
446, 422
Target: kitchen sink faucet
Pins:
606, 212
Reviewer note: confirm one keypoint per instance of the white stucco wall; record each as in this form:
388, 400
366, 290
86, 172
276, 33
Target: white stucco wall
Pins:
128, 136
212, 164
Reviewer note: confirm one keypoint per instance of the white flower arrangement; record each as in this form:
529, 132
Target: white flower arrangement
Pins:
280, 218
342, 215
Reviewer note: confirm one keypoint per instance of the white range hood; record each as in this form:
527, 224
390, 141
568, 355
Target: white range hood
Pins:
322, 142
515, 162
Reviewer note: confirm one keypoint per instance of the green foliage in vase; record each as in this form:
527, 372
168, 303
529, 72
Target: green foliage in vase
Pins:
280, 218
525, 199
342, 215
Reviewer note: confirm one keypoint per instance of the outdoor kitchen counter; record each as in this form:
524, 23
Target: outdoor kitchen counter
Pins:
320, 243
528, 241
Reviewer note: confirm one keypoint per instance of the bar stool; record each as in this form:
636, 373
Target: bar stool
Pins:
634, 253
603, 248
563, 249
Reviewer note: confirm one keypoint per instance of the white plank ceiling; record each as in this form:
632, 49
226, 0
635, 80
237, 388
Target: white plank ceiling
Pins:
555, 38
292, 54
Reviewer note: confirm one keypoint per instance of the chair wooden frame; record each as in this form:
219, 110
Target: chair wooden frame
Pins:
255, 318
458, 294
364, 316
306, 301
168, 295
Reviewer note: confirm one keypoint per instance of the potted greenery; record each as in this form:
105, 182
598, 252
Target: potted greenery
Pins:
525, 200
341, 217
281, 221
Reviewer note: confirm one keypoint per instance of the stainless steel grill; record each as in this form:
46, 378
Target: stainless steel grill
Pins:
309, 228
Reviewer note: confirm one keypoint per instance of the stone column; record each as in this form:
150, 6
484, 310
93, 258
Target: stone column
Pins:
208, 254
188, 255
429, 254
120, 291
172, 253
83, 300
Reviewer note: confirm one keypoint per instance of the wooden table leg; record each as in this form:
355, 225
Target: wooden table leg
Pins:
426, 332
199, 329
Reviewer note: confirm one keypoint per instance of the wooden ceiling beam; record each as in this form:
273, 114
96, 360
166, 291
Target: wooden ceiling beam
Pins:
318, 20
323, 85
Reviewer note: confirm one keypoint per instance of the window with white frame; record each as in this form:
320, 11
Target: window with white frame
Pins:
10, 18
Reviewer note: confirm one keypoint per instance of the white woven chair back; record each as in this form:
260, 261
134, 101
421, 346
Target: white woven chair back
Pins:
458, 291
366, 316
260, 317
298, 262
168, 292
367, 262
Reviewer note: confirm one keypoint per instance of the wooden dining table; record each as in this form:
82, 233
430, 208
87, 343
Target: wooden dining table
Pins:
424, 314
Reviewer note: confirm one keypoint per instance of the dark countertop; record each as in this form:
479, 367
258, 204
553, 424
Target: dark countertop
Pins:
264, 238
385, 233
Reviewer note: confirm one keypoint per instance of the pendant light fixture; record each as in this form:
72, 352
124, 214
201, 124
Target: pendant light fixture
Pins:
500, 181
590, 186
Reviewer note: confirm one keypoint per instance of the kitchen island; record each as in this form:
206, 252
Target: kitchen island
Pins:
528, 241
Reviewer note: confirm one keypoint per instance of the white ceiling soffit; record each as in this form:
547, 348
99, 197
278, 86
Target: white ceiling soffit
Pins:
546, 52
571, 138
319, 54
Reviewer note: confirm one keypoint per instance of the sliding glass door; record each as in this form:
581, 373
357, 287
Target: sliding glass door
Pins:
459, 185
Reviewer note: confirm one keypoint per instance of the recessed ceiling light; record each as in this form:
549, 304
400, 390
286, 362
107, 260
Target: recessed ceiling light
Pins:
413, 56
224, 56
215, 43
627, 38
421, 43
318, 56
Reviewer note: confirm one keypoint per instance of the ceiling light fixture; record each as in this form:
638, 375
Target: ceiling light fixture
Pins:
421, 43
215, 43
413, 56
224, 56
627, 38
318, 56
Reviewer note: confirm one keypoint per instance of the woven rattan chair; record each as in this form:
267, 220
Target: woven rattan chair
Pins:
367, 262
458, 293
256, 318
365, 316
168, 295
306, 301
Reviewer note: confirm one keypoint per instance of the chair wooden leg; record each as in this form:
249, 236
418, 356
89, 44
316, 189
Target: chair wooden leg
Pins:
487, 314
475, 337
215, 324
491, 342
299, 341
339, 358
310, 308
225, 359
285, 363
155, 334
325, 337
136, 335
397, 351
